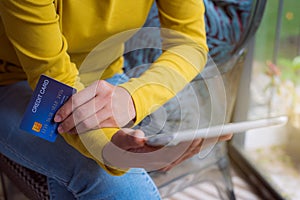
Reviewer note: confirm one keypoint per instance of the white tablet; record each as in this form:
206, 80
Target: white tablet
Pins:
214, 131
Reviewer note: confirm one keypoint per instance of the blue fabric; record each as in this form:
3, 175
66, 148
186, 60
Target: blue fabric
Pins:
70, 174
144, 56
118, 79
226, 22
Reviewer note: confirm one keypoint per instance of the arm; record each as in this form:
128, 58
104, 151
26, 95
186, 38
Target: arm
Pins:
184, 56
34, 30
185, 50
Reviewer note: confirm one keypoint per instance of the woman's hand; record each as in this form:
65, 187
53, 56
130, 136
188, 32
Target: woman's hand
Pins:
128, 149
97, 106
195, 147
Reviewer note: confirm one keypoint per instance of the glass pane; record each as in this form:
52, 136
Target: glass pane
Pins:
275, 91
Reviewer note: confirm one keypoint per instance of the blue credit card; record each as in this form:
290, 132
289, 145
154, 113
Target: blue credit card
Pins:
48, 96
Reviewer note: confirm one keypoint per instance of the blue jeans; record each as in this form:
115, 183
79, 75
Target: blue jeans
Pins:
70, 174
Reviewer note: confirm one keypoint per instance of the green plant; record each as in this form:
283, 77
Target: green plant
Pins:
290, 69
285, 82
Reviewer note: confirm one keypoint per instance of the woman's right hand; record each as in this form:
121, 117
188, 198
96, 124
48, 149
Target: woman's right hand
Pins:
98, 106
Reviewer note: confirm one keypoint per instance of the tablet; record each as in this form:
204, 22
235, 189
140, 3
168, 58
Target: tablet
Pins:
213, 131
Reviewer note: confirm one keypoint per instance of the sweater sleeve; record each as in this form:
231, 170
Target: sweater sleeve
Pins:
33, 28
184, 56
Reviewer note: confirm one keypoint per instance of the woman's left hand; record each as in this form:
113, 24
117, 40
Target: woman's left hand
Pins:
128, 149
97, 106
194, 148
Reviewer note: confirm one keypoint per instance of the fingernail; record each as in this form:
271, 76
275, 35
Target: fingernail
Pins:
57, 118
60, 129
72, 132
139, 134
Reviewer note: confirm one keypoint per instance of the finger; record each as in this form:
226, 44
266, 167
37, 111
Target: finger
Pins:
93, 122
89, 108
84, 118
97, 88
194, 144
226, 137
109, 122
73, 131
136, 139
193, 149
179, 160
128, 139
75, 101
102, 119
66, 125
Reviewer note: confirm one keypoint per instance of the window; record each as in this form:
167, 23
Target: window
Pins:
271, 87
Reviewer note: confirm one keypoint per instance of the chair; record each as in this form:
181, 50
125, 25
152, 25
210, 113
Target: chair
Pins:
226, 49
230, 25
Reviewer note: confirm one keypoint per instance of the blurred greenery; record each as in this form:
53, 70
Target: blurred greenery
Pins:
289, 34
290, 69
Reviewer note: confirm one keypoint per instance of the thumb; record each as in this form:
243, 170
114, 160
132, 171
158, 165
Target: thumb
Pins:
128, 138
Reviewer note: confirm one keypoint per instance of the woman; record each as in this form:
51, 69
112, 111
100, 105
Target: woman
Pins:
55, 38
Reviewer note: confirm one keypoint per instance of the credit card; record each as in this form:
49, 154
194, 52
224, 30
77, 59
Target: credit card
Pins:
48, 96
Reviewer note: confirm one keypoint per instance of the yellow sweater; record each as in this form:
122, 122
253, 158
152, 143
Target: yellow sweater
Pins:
54, 38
